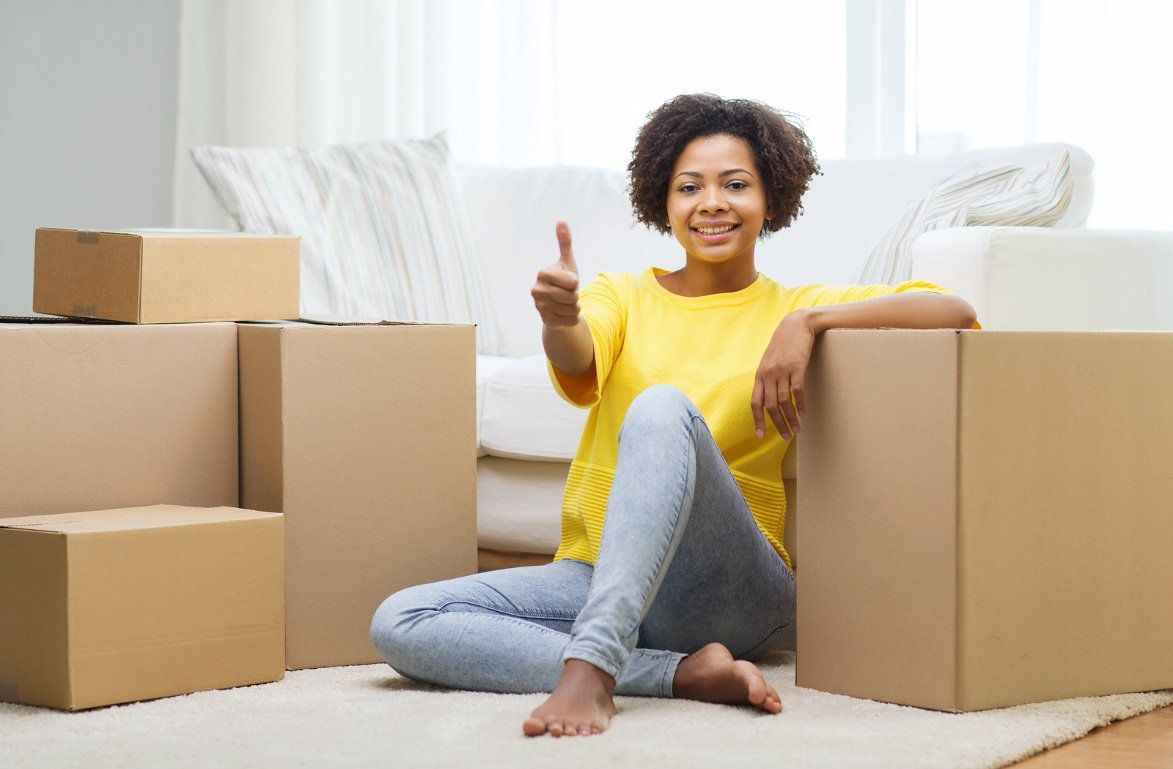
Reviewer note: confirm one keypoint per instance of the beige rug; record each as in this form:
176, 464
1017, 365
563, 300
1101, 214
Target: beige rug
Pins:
369, 716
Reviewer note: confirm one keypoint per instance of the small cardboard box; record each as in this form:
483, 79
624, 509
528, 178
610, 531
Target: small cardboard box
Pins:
98, 416
166, 276
364, 436
986, 516
111, 606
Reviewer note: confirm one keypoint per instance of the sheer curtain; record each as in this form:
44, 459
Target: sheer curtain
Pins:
1087, 72
310, 72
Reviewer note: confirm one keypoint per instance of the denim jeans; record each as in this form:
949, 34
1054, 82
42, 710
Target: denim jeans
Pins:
681, 564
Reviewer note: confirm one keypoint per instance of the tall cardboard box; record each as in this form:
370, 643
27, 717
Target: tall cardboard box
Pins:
97, 416
364, 436
166, 276
987, 516
111, 606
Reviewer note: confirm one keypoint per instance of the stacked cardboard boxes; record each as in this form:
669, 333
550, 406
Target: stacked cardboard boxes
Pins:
357, 444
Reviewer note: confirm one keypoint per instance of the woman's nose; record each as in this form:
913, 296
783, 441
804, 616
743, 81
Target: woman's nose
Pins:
713, 201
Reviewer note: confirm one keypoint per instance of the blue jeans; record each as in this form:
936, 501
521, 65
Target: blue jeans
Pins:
681, 564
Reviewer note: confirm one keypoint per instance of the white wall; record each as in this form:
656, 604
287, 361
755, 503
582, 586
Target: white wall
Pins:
88, 94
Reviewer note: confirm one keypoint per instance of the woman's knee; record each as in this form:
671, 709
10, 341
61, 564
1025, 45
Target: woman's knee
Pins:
393, 621
660, 405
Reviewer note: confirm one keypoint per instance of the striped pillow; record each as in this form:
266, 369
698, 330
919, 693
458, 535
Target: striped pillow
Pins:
383, 226
1008, 195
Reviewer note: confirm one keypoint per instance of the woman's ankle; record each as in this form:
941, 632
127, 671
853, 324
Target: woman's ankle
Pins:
579, 670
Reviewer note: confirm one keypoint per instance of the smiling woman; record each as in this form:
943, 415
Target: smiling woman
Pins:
671, 577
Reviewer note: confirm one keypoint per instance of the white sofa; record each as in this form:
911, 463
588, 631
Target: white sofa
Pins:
1062, 278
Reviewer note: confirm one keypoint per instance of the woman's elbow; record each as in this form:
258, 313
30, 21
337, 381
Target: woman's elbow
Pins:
968, 315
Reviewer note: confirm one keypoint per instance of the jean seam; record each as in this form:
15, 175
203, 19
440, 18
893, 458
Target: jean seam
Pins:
498, 610
769, 635
676, 521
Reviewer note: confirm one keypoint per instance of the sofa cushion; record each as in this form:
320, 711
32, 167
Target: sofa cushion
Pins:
383, 225
1001, 194
522, 417
487, 368
519, 505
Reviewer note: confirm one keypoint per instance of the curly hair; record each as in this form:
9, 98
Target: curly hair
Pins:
784, 154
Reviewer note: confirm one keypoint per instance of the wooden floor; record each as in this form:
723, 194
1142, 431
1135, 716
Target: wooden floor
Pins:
1140, 742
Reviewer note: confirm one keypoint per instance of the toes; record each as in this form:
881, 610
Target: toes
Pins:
555, 728
534, 726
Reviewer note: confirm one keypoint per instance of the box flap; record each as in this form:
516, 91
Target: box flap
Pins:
338, 320
164, 232
153, 233
123, 519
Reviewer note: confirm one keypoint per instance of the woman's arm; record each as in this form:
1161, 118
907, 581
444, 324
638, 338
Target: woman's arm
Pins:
779, 384
913, 309
570, 348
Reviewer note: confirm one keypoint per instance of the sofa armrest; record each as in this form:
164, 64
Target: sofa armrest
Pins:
1044, 279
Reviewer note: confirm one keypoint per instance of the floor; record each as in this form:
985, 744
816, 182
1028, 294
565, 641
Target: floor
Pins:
1142, 742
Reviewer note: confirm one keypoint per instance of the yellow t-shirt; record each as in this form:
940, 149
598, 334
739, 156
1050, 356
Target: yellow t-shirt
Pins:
707, 346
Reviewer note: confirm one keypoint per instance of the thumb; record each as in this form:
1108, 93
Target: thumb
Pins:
566, 256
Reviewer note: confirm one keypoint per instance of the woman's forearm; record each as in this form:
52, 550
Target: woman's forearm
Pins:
569, 348
915, 309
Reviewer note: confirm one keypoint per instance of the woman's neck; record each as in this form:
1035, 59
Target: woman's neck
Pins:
698, 278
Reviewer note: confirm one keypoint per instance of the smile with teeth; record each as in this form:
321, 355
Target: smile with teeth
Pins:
714, 230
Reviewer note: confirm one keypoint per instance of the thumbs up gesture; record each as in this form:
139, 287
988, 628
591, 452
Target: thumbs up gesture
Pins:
556, 291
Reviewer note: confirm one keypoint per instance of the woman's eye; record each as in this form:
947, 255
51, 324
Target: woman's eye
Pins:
740, 185
688, 188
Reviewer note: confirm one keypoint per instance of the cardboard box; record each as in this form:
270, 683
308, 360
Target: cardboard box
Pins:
112, 606
97, 416
364, 436
166, 276
986, 516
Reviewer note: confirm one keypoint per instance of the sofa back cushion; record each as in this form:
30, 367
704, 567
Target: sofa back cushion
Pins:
847, 210
384, 232
996, 194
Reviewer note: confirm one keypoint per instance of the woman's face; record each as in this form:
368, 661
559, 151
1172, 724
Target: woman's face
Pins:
716, 201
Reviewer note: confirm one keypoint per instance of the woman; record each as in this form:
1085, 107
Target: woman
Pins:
688, 582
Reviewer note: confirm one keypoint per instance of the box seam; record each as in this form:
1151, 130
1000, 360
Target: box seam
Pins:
958, 549
142, 264
71, 697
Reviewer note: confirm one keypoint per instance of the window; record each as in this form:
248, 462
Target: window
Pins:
618, 60
1086, 72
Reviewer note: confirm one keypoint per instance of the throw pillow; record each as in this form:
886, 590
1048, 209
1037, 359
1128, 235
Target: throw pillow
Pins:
1007, 195
384, 231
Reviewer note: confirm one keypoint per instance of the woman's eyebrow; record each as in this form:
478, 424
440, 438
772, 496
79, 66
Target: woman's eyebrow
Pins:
698, 175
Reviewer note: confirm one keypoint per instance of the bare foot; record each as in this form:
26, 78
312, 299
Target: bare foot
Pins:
710, 674
581, 703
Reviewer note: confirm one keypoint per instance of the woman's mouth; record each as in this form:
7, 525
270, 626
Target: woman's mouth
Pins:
715, 234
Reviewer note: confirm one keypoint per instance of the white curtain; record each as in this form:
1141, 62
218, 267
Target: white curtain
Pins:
272, 73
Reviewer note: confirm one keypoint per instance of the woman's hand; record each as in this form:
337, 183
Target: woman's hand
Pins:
782, 373
555, 292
